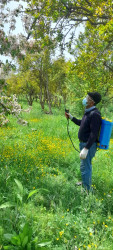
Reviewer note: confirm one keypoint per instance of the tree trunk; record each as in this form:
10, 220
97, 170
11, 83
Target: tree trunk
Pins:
48, 95
30, 99
40, 98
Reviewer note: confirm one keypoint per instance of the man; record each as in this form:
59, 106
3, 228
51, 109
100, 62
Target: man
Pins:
88, 135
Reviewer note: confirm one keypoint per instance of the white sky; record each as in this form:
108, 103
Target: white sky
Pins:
19, 27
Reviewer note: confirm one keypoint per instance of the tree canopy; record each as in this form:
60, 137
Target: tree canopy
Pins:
49, 24
53, 20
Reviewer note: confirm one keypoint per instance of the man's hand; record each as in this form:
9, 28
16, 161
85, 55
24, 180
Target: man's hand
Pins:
68, 116
83, 153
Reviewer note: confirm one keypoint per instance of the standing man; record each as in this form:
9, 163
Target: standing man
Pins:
88, 135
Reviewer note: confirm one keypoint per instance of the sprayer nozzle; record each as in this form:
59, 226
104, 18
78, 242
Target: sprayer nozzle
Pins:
67, 110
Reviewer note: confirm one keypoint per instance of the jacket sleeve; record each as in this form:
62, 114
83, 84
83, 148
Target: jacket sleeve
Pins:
76, 121
94, 129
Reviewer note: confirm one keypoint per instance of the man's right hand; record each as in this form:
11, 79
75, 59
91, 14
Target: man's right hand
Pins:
67, 115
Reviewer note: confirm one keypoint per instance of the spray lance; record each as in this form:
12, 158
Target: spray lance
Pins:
67, 111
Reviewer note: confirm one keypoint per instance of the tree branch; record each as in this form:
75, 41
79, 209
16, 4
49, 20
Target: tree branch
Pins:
29, 34
87, 19
88, 3
4, 107
105, 64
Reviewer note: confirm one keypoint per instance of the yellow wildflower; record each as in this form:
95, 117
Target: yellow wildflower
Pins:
61, 233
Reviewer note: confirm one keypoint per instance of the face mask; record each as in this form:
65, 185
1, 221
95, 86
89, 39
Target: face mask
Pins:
84, 102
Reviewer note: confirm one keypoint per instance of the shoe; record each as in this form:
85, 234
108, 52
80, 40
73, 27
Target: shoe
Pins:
79, 183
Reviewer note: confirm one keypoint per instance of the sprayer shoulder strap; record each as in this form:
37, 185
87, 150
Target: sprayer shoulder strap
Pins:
96, 112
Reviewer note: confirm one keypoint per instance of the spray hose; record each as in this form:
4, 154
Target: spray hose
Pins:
70, 136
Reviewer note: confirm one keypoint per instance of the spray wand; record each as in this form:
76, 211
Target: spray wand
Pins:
67, 111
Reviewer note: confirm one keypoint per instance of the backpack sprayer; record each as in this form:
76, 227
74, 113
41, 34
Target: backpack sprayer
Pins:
104, 134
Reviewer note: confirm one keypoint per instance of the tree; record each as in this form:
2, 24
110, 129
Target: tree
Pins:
58, 76
39, 76
67, 15
23, 83
49, 22
52, 20
8, 104
94, 61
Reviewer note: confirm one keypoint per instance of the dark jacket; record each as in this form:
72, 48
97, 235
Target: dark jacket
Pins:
89, 127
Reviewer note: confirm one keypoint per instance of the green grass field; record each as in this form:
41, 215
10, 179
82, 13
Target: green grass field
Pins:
40, 205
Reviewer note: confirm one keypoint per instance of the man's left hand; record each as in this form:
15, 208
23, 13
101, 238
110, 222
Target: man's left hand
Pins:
83, 153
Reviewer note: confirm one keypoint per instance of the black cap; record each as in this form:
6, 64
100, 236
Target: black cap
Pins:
95, 96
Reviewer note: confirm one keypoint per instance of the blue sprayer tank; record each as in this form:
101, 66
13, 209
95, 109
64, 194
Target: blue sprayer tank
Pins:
105, 134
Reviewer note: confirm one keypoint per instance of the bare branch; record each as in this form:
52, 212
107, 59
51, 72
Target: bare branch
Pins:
88, 3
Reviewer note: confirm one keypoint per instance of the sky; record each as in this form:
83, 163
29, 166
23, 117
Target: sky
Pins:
20, 29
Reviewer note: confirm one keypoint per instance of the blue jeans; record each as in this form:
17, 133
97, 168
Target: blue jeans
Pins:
86, 167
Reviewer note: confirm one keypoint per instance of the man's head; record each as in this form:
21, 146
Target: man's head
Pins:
95, 97
91, 99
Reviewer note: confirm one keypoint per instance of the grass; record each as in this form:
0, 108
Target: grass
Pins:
41, 206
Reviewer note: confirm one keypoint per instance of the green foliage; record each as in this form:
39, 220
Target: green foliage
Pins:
93, 65
23, 240
93, 54
70, 14
41, 206
51, 21
6, 205
49, 24
32, 192
40, 77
